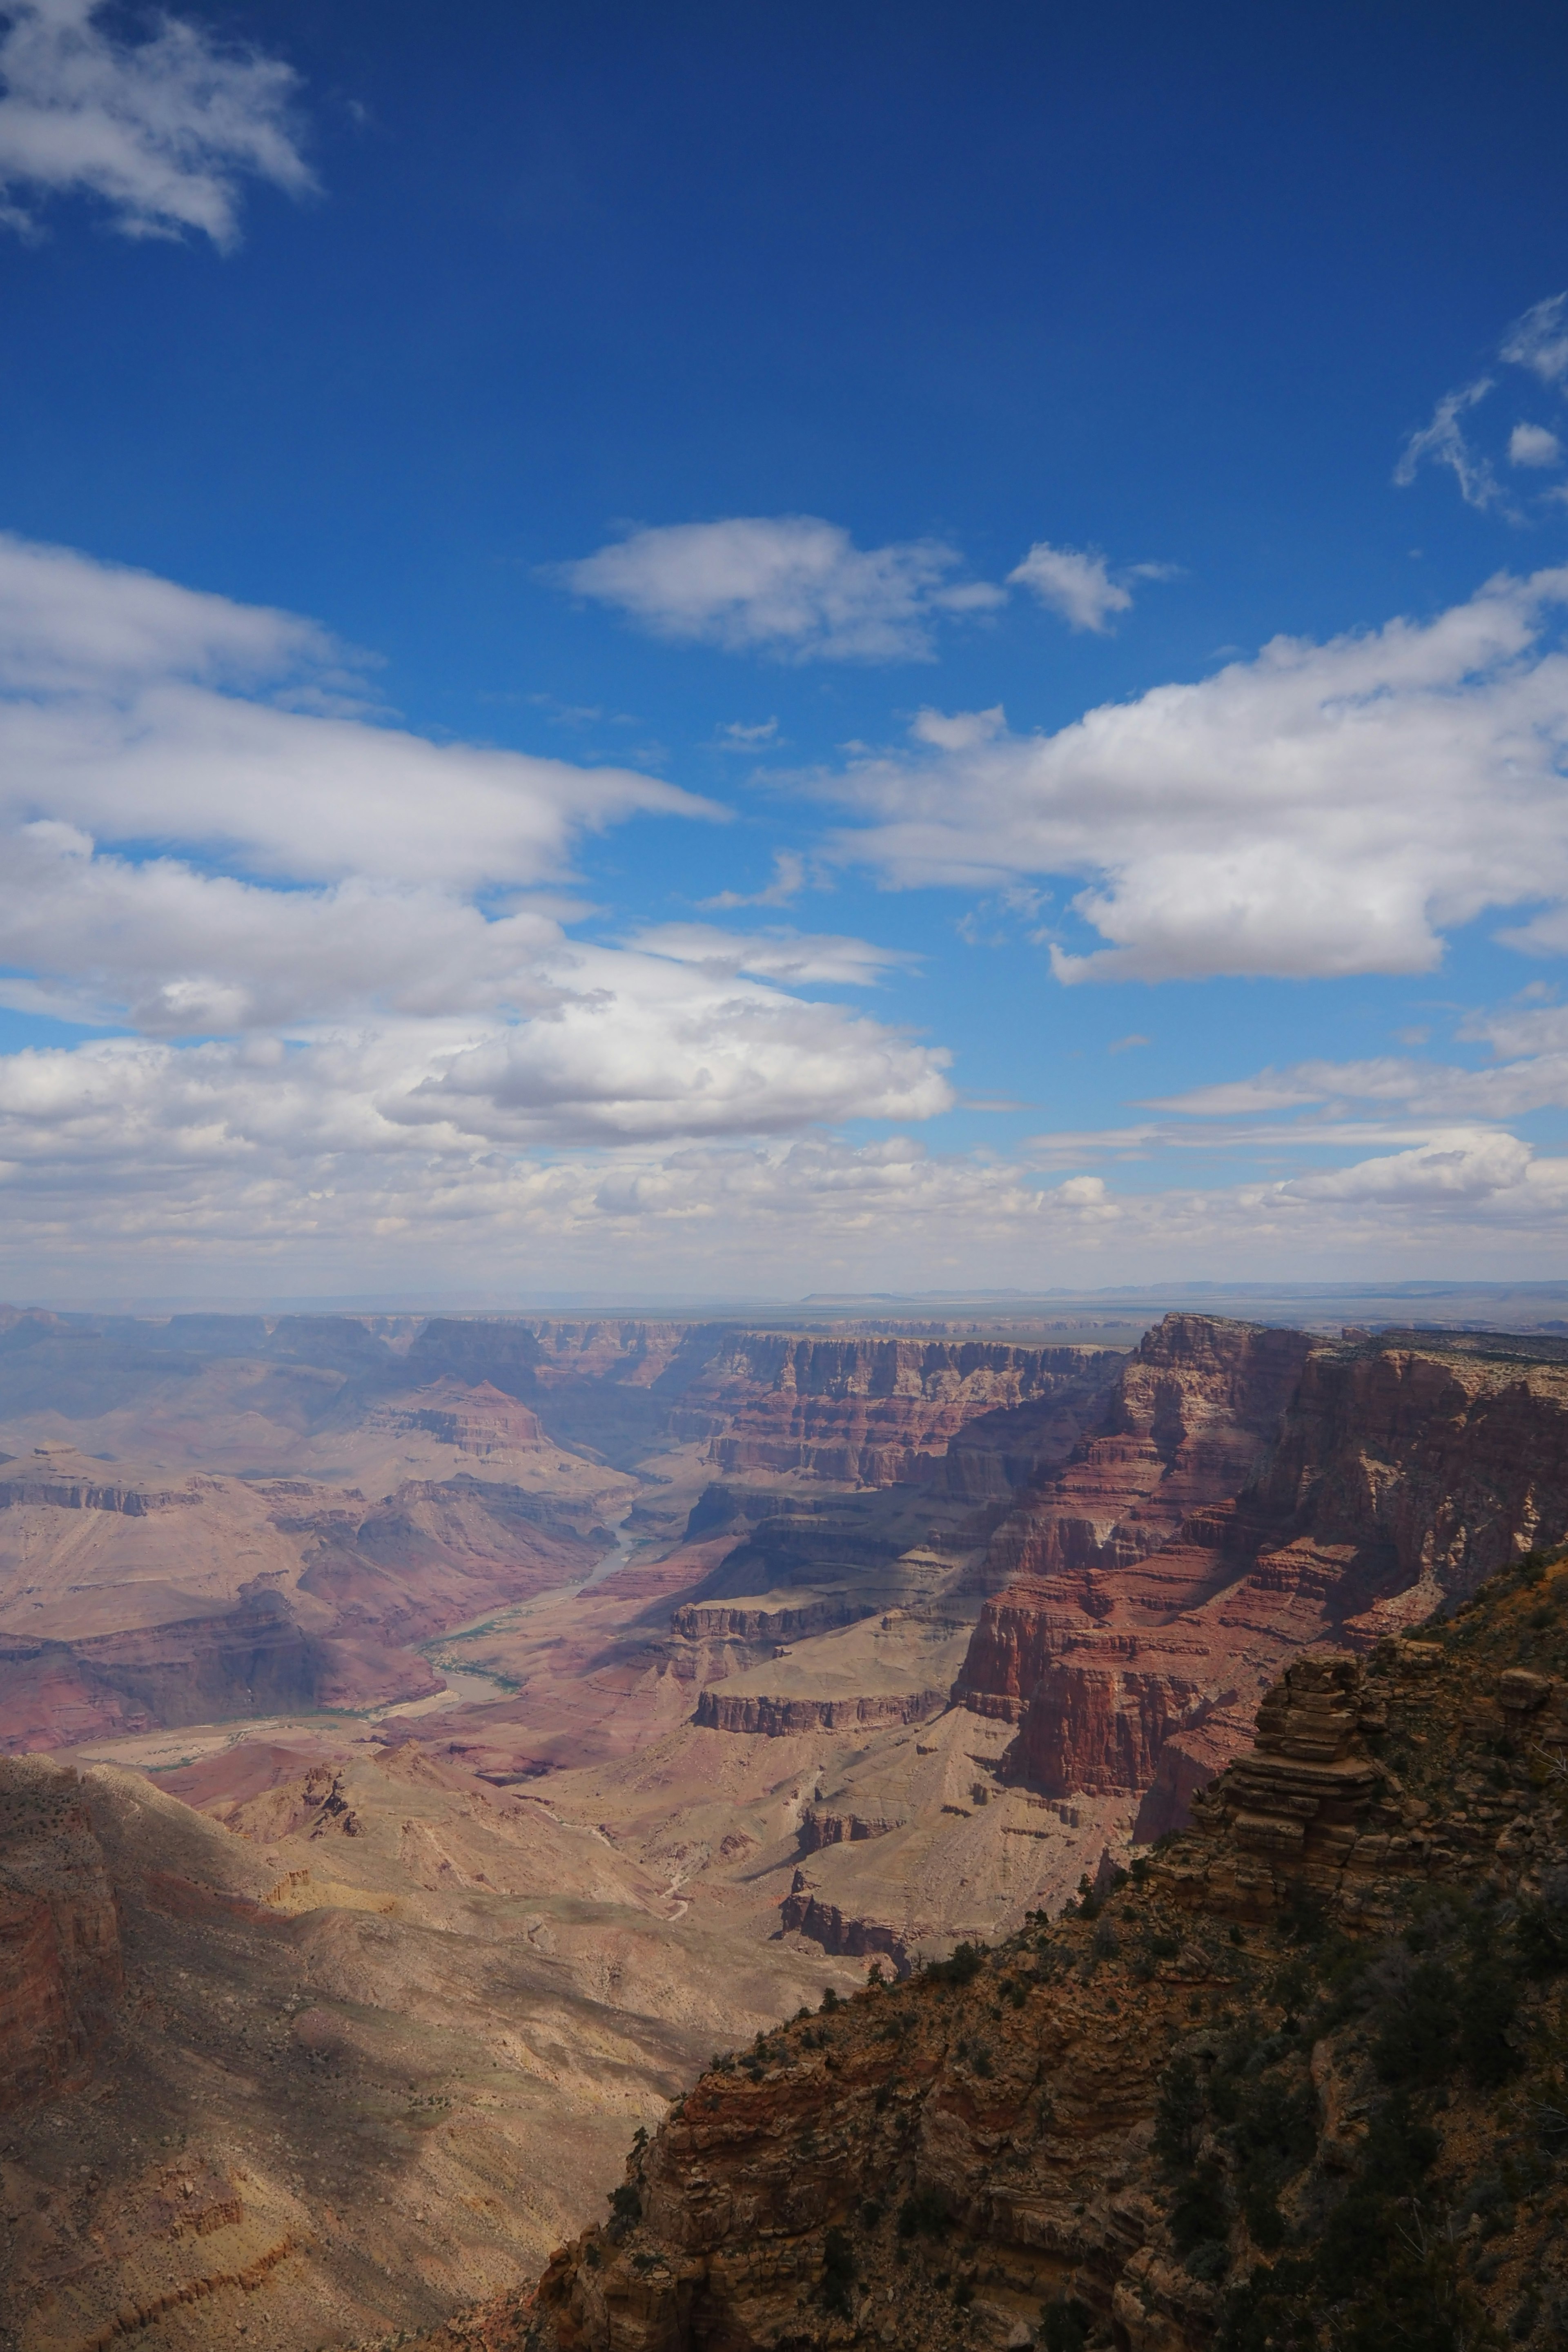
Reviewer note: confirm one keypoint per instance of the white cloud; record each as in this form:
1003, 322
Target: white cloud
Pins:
1073, 581
1444, 443
788, 882
792, 586
197, 1169
736, 736
1322, 809
1540, 339
1533, 444
346, 918
799, 957
163, 130
133, 708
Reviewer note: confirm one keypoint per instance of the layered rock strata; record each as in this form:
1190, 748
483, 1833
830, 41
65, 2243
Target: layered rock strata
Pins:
1249, 1492
883, 1412
778, 1718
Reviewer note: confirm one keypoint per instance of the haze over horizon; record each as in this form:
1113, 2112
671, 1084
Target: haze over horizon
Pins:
746, 655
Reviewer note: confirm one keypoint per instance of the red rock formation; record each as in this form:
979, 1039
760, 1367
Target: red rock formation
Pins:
803, 1912
775, 1718
1249, 1492
886, 1411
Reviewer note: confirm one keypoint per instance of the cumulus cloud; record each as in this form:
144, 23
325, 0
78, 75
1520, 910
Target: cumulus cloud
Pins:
791, 586
202, 1161
1073, 581
1323, 809
346, 922
1533, 444
163, 130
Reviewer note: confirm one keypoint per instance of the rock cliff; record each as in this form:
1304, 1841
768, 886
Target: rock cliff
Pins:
1249, 1492
879, 1412
1299, 2081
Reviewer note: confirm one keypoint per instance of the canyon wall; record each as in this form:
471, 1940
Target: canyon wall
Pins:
879, 1412
1246, 1493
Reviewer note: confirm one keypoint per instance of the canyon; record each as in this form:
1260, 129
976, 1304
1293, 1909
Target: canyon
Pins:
467, 1724
1292, 2082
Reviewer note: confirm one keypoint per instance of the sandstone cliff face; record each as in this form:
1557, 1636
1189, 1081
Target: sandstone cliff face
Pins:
61, 1972
1197, 2110
882, 1412
1250, 1492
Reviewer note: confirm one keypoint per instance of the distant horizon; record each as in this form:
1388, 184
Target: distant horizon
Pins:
1128, 1303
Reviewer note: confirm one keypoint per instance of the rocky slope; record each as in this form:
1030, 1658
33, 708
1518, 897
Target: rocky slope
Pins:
1250, 1491
1301, 2081
60, 1968
324, 2069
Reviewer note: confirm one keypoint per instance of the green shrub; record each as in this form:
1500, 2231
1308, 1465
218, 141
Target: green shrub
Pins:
926, 2212
1065, 2324
839, 2274
1179, 2116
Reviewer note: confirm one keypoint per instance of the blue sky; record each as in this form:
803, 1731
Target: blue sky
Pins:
632, 646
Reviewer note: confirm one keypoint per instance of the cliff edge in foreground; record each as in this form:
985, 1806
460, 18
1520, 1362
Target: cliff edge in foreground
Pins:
1302, 2080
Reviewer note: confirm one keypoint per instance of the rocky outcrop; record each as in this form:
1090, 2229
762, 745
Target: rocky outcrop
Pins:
482, 1421
819, 1829
776, 1718
724, 1622
803, 1912
67, 1481
1249, 1493
60, 1970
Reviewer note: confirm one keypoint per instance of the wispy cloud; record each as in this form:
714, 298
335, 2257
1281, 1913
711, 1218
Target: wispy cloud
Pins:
1443, 443
1539, 340
788, 882
735, 735
163, 130
799, 957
